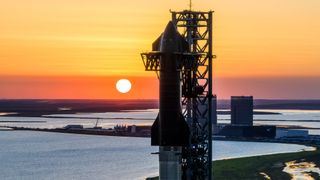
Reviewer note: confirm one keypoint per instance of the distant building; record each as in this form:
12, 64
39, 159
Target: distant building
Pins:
242, 110
120, 128
247, 131
142, 130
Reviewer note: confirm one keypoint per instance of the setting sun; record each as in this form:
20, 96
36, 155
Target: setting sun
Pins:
54, 45
123, 85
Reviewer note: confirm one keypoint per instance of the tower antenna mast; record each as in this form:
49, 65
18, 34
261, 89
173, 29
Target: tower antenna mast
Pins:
190, 5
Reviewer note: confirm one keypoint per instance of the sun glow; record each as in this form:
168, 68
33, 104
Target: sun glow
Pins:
123, 85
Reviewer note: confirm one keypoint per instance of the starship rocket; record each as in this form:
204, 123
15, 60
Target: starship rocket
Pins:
170, 127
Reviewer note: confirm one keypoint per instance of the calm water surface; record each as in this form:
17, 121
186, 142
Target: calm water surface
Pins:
32, 155
305, 118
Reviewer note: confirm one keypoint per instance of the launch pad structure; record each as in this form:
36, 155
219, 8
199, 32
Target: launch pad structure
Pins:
197, 95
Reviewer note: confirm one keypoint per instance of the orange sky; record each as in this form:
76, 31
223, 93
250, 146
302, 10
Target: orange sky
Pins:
51, 48
75, 87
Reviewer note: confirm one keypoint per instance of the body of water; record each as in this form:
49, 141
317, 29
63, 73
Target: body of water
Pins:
44, 155
305, 118
30, 155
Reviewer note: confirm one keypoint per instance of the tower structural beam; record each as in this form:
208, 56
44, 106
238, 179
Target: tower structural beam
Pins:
196, 27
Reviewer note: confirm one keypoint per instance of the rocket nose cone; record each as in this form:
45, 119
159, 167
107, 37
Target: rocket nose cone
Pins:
170, 26
171, 40
170, 30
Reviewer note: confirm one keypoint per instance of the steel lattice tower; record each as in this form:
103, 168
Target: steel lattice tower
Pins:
196, 68
196, 27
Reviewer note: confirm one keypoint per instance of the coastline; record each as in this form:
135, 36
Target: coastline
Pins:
256, 167
261, 167
311, 140
259, 160
92, 131
267, 166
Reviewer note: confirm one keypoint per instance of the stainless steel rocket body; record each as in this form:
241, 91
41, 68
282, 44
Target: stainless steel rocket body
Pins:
170, 128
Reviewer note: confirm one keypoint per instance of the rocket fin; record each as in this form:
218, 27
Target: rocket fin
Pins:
155, 133
182, 133
177, 135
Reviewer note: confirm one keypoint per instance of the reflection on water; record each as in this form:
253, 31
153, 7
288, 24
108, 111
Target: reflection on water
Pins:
301, 170
30, 155
303, 118
7, 113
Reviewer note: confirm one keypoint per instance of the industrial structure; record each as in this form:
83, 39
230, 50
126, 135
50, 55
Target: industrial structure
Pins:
242, 110
245, 131
242, 121
182, 57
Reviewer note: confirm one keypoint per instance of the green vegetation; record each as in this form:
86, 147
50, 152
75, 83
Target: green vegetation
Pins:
250, 168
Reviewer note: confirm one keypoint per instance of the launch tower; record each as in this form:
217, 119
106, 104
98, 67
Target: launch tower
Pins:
196, 85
